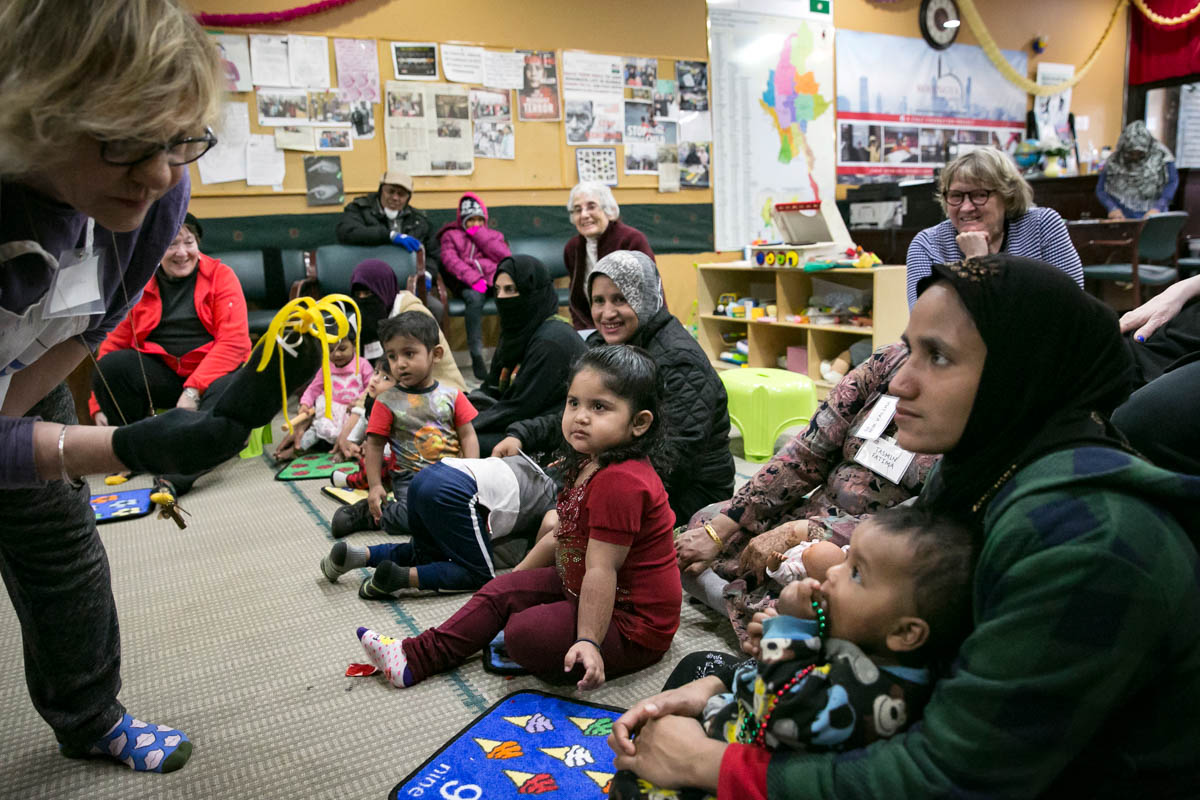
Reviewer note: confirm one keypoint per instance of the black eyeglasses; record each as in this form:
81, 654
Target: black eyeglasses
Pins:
127, 152
978, 197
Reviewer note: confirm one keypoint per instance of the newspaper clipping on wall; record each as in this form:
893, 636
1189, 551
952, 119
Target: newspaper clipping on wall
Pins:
491, 114
427, 129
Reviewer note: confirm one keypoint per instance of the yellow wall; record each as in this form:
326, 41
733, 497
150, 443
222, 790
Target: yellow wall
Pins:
668, 29
545, 166
1073, 27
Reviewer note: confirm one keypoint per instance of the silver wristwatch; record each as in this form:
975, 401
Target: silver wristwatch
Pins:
193, 393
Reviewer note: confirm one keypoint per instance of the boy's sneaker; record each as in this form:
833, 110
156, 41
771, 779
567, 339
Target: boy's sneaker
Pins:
350, 519
338, 478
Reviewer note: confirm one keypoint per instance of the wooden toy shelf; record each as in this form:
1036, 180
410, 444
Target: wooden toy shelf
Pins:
792, 289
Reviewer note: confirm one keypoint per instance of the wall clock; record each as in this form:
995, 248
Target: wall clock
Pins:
939, 22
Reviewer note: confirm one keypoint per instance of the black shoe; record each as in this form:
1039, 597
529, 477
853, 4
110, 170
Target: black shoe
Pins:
350, 519
389, 579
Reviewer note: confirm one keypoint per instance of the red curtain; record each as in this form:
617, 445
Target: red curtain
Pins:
1156, 52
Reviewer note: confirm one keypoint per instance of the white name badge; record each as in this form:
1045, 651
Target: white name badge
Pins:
879, 418
75, 289
884, 457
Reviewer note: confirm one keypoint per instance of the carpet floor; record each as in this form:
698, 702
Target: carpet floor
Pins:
231, 633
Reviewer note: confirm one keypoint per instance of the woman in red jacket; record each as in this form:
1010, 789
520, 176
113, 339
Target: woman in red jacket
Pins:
594, 213
178, 344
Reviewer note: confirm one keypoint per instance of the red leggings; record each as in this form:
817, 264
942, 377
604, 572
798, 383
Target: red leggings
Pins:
538, 620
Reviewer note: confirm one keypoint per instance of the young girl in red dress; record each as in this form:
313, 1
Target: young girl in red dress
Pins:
601, 596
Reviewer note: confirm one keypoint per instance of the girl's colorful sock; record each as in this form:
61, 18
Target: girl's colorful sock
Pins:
139, 745
387, 654
341, 559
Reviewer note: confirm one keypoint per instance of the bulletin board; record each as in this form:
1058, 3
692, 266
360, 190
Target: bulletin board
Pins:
544, 166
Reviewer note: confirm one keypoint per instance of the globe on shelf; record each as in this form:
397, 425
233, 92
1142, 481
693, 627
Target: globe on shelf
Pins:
1028, 153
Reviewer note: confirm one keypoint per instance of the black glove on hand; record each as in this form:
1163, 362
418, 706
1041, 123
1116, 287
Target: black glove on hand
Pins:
253, 398
179, 441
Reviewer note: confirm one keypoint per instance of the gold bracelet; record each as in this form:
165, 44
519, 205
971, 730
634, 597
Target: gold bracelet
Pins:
712, 533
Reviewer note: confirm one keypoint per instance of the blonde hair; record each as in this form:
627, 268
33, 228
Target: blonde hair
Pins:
989, 168
108, 69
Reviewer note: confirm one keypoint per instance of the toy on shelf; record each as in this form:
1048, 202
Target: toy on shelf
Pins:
812, 230
834, 370
731, 305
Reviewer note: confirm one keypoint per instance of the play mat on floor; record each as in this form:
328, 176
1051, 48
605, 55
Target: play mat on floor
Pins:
527, 743
314, 465
116, 506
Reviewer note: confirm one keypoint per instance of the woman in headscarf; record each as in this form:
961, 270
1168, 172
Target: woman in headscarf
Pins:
528, 376
375, 289
627, 308
1139, 177
1086, 640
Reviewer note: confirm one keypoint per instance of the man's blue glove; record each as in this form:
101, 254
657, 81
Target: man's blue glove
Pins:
410, 243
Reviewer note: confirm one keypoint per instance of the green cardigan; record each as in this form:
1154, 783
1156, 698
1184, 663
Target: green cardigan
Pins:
1082, 674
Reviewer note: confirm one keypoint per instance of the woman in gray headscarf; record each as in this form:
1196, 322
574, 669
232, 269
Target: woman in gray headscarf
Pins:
1139, 178
627, 308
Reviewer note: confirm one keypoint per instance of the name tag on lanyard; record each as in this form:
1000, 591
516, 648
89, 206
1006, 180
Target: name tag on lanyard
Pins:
75, 290
884, 457
878, 419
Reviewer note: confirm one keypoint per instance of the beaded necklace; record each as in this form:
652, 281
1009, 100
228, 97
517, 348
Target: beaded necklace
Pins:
754, 731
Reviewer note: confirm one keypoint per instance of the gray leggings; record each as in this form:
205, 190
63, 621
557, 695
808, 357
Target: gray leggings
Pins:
56, 573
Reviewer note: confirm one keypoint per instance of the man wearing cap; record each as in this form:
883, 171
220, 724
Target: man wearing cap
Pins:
384, 217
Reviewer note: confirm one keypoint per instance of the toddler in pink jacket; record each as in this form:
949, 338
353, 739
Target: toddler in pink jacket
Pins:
470, 251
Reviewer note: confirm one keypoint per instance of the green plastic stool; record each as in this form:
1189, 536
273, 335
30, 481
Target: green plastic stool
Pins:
762, 402
254, 445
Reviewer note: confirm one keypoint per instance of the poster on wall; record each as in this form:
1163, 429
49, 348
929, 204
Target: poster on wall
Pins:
323, 180
1187, 139
235, 60
1052, 112
362, 119
282, 107
694, 158
537, 99
269, 60
331, 107
692, 78
593, 118
772, 117
415, 61
597, 164
226, 161
593, 73
357, 68
491, 115
641, 72
289, 137
427, 130
308, 61
904, 109
462, 64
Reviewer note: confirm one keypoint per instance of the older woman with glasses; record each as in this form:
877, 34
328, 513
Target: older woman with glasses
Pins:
990, 209
93, 189
594, 213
